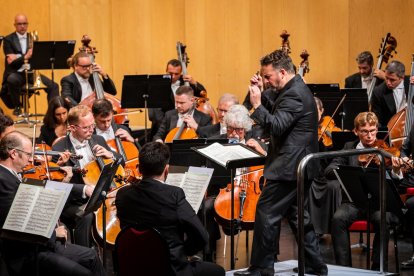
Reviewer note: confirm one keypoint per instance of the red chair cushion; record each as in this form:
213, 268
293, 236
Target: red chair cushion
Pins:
410, 191
360, 226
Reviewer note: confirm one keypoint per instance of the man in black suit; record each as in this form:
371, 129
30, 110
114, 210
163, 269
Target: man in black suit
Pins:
293, 123
153, 203
185, 113
224, 103
391, 96
54, 258
17, 51
365, 74
366, 129
81, 125
103, 113
79, 85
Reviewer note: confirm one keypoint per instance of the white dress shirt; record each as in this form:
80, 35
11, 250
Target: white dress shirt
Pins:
83, 149
86, 87
106, 134
399, 97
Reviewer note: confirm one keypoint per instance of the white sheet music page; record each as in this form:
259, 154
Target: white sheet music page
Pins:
36, 209
195, 185
221, 154
175, 179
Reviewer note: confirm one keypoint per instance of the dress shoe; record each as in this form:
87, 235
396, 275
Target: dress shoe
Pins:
321, 270
408, 263
256, 271
17, 111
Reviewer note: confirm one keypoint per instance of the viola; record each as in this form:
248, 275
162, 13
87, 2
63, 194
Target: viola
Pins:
246, 194
99, 91
325, 129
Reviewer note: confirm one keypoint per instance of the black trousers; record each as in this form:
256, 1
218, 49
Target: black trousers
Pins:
410, 217
15, 82
278, 200
80, 226
344, 216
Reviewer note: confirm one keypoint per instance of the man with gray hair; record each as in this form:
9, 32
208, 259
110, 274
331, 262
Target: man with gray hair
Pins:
363, 78
391, 96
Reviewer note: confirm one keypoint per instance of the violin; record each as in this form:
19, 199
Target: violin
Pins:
99, 92
325, 129
246, 194
366, 159
49, 171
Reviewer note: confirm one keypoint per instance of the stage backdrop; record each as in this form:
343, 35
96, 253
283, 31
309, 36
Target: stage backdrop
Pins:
225, 38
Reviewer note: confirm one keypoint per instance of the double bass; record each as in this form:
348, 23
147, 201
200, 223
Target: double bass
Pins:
99, 93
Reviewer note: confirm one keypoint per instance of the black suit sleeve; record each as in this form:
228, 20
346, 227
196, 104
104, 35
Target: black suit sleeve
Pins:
163, 129
109, 86
67, 90
196, 235
9, 49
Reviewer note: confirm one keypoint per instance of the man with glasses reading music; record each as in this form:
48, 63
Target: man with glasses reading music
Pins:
81, 125
17, 50
79, 85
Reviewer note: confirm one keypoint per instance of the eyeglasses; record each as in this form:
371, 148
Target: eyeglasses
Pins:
28, 154
87, 66
22, 24
219, 110
365, 132
237, 129
86, 128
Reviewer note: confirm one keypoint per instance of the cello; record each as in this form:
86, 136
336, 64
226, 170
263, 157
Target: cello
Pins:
400, 124
181, 133
99, 92
388, 45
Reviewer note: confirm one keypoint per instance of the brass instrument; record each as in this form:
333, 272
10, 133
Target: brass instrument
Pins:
37, 81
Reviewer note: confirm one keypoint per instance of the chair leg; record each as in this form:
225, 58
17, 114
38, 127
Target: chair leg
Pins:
397, 261
368, 261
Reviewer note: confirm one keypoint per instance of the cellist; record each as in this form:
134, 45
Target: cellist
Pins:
79, 84
184, 111
390, 97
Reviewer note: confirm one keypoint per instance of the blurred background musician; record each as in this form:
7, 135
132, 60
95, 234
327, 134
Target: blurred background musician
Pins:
81, 124
153, 203
55, 121
16, 50
53, 258
6, 125
103, 112
366, 129
224, 103
184, 112
391, 96
79, 84
174, 69
366, 72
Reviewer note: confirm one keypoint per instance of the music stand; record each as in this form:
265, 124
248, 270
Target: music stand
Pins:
98, 198
147, 91
330, 95
356, 101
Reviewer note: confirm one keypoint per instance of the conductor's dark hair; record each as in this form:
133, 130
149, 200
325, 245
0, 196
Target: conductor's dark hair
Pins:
279, 60
153, 157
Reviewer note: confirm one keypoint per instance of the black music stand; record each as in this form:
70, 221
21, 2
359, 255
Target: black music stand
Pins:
98, 198
147, 91
356, 101
330, 95
232, 165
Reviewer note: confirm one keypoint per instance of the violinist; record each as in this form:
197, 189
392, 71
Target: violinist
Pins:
23, 258
366, 129
325, 195
103, 112
174, 69
55, 121
366, 72
6, 125
81, 125
79, 84
153, 203
224, 103
391, 96
184, 113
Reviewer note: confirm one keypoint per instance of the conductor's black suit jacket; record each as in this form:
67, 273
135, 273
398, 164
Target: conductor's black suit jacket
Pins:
152, 203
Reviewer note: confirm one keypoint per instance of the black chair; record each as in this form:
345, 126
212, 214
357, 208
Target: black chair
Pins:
141, 252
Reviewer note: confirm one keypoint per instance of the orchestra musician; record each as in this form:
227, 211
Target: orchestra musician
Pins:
103, 112
55, 121
293, 124
184, 112
81, 124
153, 203
391, 96
6, 125
224, 103
366, 129
79, 84
366, 72
16, 50
22, 258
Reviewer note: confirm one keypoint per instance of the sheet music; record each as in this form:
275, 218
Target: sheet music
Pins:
221, 154
175, 179
36, 209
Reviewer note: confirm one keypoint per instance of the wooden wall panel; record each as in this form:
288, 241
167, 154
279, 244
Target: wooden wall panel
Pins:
225, 39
